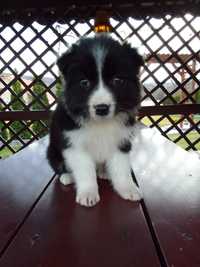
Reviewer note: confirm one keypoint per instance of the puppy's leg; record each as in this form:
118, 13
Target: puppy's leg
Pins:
66, 179
84, 174
101, 171
119, 170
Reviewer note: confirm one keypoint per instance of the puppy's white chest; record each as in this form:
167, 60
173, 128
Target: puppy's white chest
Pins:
100, 140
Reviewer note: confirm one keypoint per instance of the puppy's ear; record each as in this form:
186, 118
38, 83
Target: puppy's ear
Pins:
137, 59
64, 61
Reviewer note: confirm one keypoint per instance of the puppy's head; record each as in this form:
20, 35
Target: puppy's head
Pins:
100, 78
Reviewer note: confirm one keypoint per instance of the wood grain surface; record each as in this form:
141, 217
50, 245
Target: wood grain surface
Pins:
22, 179
61, 233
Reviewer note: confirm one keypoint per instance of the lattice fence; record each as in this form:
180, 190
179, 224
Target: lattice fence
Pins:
29, 78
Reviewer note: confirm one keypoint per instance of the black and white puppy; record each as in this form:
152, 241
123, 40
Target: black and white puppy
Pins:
92, 123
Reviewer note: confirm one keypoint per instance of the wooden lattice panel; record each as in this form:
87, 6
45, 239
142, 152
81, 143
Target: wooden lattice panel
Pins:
171, 75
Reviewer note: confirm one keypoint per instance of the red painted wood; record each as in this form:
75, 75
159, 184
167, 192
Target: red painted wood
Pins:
22, 178
174, 208
61, 233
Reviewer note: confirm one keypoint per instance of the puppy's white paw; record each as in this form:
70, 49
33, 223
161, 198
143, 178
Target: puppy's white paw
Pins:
130, 193
66, 179
87, 198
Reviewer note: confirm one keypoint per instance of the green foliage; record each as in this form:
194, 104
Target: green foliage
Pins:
20, 130
59, 89
38, 90
176, 97
16, 96
197, 96
167, 101
4, 132
17, 104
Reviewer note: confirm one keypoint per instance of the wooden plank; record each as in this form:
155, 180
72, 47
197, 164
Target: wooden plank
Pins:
170, 181
25, 115
143, 4
184, 109
61, 233
22, 178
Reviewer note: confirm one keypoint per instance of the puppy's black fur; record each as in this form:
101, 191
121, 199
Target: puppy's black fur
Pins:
78, 64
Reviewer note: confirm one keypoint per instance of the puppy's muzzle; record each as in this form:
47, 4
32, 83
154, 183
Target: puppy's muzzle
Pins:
102, 109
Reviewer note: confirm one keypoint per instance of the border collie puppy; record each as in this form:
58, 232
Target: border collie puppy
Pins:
92, 123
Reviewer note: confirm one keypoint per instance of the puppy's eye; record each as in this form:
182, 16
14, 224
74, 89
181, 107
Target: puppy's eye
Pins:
85, 84
117, 82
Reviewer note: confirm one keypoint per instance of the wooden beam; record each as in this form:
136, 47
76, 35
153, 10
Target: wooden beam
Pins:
169, 58
148, 110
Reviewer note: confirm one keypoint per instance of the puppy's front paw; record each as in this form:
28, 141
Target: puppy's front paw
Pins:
66, 179
88, 198
131, 192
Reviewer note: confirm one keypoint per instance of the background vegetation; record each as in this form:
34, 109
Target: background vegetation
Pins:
39, 101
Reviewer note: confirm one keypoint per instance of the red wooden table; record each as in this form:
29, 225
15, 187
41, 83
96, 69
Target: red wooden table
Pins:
42, 226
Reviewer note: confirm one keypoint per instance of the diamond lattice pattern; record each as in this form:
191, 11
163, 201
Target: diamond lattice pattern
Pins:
29, 78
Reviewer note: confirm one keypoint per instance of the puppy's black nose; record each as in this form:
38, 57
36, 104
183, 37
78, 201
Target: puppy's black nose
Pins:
102, 109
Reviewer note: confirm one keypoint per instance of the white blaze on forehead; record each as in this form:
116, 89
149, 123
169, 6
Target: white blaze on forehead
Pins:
101, 95
99, 53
